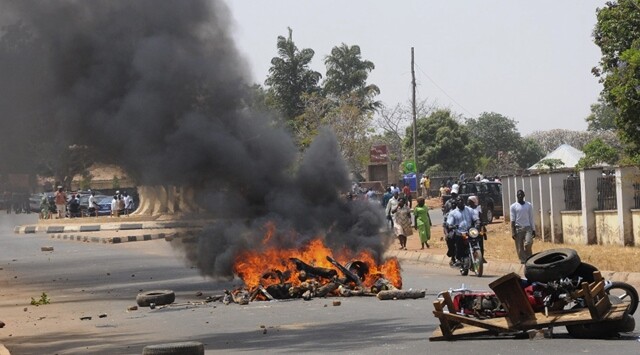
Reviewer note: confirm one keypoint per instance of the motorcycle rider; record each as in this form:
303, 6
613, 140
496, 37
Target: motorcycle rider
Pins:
459, 220
448, 206
472, 201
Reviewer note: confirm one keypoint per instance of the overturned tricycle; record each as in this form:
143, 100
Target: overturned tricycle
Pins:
558, 290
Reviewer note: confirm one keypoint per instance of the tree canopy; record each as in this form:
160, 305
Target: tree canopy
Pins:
290, 78
495, 132
447, 143
617, 33
347, 75
598, 152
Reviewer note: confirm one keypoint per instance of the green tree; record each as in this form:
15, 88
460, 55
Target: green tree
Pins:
495, 132
602, 116
290, 78
392, 122
550, 164
598, 152
447, 143
617, 33
347, 75
350, 124
528, 153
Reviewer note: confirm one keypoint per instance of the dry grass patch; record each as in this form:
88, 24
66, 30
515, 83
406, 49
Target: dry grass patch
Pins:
500, 246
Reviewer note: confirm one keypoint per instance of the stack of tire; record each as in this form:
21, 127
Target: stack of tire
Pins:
555, 264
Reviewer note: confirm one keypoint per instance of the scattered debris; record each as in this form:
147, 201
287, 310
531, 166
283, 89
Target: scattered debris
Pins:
132, 308
46, 249
156, 297
103, 315
85, 318
401, 294
25, 309
198, 294
2, 324
337, 303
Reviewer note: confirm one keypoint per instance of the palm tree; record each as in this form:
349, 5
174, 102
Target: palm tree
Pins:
290, 77
347, 77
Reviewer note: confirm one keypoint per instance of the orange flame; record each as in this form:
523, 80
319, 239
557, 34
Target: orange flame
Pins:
273, 265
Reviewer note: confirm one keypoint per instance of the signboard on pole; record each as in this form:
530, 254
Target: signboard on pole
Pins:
379, 154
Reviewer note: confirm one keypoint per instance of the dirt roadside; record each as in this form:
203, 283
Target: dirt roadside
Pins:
500, 247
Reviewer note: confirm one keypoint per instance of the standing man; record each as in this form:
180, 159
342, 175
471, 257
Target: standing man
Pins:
406, 191
61, 202
93, 204
423, 179
522, 226
391, 205
427, 187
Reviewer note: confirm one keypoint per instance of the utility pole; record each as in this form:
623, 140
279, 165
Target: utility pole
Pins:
413, 110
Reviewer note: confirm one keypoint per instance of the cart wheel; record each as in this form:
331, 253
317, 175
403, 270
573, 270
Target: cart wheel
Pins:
621, 292
602, 330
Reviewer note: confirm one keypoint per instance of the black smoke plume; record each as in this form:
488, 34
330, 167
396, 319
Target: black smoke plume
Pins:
159, 88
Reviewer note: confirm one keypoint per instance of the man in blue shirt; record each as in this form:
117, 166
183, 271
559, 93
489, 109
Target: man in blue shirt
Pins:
459, 220
523, 228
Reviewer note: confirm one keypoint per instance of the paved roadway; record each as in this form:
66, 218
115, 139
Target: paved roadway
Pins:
89, 279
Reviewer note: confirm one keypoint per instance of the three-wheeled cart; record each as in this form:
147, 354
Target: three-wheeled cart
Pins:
520, 316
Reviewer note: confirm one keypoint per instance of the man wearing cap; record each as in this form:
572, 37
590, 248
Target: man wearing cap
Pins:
522, 226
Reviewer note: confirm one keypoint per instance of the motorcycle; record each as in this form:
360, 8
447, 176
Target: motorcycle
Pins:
471, 241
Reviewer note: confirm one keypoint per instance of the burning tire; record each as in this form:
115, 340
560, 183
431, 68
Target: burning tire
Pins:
185, 348
551, 265
157, 297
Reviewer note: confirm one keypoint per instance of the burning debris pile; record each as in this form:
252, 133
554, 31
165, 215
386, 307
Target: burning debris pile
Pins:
312, 272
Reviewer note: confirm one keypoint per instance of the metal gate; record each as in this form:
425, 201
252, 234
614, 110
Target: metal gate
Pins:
572, 194
607, 193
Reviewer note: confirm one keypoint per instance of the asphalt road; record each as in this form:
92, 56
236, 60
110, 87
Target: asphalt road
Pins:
89, 279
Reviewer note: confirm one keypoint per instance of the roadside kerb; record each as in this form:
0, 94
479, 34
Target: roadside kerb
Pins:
96, 227
110, 239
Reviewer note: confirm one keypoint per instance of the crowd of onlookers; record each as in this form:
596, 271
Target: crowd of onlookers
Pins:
63, 205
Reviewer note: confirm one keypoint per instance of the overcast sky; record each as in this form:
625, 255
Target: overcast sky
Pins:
528, 60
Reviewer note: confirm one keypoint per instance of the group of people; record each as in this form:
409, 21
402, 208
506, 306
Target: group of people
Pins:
460, 216
401, 217
63, 206
121, 204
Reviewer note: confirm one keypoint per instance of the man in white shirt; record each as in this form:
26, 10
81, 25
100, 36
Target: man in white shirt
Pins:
93, 204
128, 203
522, 226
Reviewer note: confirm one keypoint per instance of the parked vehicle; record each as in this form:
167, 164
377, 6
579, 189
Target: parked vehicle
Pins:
489, 194
104, 204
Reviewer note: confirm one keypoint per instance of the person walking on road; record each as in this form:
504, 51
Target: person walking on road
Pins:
402, 222
522, 226
422, 222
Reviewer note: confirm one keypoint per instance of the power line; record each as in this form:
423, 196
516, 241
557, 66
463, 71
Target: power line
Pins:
443, 91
